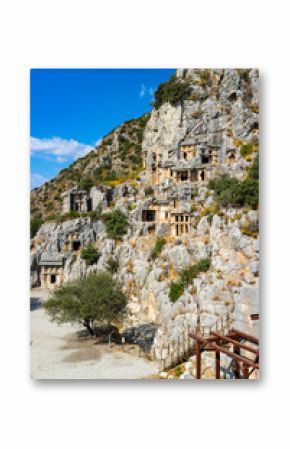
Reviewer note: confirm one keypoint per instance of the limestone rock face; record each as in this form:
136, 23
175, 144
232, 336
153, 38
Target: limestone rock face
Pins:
179, 257
163, 130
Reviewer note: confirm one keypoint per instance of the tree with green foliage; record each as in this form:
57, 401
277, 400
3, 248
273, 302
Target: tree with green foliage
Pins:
90, 254
96, 299
116, 224
232, 192
35, 224
171, 91
86, 184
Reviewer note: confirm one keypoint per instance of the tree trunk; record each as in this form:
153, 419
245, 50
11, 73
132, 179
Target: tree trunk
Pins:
86, 324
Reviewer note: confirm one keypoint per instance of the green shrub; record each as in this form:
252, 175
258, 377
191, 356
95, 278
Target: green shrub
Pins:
203, 265
209, 219
159, 243
253, 170
246, 230
135, 159
95, 215
247, 149
35, 224
248, 194
188, 274
90, 254
148, 191
176, 289
122, 139
54, 217
70, 215
116, 224
112, 265
171, 91
232, 192
204, 75
86, 184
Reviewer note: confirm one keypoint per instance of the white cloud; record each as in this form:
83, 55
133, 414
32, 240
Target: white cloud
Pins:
147, 92
60, 159
61, 149
36, 180
142, 90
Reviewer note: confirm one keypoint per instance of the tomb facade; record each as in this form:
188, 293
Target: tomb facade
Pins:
76, 200
51, 271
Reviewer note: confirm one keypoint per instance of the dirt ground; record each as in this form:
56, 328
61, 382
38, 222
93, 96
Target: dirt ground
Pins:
58, 353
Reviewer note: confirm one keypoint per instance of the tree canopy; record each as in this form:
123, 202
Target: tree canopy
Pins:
90, 254
116, 224
96, 299
35, 224
232, 192
171, 91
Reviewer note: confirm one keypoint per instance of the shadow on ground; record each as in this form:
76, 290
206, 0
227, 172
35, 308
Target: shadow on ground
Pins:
35, 304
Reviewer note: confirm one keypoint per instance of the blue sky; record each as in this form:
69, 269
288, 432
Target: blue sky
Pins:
72, 109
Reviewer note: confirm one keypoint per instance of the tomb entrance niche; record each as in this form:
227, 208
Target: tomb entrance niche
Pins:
53, 278
182, 176
205, 158
181, 224
148, 215
76, 245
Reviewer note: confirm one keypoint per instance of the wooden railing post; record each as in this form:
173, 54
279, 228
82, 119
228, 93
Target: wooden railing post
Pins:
237, 363
198, 359
217, 364
245, 372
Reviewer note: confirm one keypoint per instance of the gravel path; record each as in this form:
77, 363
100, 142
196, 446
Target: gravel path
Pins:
56, 353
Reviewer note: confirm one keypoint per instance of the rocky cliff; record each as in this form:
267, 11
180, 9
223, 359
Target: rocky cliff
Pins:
216, 110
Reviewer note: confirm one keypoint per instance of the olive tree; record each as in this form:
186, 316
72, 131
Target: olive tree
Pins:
96, 299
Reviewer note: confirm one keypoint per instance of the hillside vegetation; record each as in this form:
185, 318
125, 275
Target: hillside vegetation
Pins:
117, 159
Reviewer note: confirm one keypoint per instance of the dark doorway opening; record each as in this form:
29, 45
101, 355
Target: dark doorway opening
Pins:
184, 176
76, 245
52, 278
148, 215
205, 159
